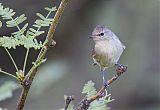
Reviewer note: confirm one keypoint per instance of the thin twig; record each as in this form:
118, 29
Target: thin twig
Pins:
11, 58
1, 71
85, 103
26, 56
31, 74
25, 60
9, 52
68, 100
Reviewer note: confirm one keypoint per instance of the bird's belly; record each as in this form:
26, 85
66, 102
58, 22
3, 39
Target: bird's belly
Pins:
106, 55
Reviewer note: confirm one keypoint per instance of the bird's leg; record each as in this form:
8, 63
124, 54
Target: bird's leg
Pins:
121, 68
104, 81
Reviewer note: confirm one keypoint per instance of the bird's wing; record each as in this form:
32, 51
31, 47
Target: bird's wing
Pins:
93, 53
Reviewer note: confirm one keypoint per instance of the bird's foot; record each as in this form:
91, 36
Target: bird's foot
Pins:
105, 84
121, 68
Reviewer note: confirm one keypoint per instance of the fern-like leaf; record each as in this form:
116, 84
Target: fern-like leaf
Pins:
16, 21
43, 21
32, 32
100, 104
21, 32
50, 9
23, 37
89, 89
6, 13
9, 42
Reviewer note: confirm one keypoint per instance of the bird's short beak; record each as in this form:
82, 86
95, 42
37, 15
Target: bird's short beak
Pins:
92, 36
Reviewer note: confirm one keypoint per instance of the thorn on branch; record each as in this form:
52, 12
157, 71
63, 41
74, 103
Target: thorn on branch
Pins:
51, 43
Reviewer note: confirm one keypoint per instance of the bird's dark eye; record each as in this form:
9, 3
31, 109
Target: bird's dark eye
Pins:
101, 34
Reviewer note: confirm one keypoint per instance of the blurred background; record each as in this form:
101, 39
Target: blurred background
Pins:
69, 63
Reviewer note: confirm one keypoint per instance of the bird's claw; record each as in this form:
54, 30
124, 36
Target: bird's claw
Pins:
105, 84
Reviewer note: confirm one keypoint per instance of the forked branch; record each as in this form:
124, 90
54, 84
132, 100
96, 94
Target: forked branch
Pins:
50, 42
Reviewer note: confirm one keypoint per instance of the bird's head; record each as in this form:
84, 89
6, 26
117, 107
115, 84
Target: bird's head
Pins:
101, 32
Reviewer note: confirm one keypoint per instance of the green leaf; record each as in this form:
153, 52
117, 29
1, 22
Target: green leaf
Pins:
89, 89
98, 105
9, 42
21, 19
16, 21
6, 13
32, 43
35, 25
11, 23
33, 32
43, 23
41, 16
101, 103
23, 37
6, 90
20, 32
50, 9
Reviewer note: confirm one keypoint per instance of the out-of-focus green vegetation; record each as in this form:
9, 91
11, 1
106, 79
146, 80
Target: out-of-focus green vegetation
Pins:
69, 64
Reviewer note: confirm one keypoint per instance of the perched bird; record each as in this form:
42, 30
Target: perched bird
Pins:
107, 50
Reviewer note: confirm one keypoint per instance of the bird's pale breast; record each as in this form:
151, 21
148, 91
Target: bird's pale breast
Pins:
107, 53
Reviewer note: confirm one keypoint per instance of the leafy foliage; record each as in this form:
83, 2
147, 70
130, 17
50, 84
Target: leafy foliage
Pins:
100, 104
89, 89
23, 36
42, 22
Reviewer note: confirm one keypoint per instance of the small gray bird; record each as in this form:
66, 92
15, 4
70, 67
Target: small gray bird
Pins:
108, 48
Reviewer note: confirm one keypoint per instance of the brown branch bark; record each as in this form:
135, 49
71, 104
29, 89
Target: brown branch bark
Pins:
85, 103
50, 42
